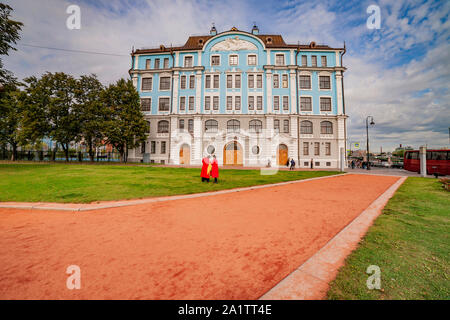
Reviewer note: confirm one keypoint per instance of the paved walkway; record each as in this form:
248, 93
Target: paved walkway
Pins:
235, 245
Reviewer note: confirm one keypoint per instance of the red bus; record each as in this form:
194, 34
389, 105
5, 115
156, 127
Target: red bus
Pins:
438, 161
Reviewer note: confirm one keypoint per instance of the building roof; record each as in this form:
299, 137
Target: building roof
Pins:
272, 41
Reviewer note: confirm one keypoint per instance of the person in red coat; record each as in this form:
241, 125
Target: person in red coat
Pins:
215, 169
204, 174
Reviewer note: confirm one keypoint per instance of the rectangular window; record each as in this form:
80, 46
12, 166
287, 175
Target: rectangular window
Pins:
207, 103
251, 60
305, 82
286, 126
305, 104
207, 81
191, 82
148, 64
259, 81
285, 80
323, 61
183, 82
279, 59
229, 81
188, 62
147, 84
182, 103
166, 63
251, 102
305, 148
276, 125
237, 81
164, 104
285, 103
191, 125
314, 61
191, 103
327, 148
143, 147
153, 147
276, 103
164, 83
215, 60
163, 147
276, 81
216, 81
229, 102
216, 103
304, 61
324, 82
316, 148
325, 104
251, 81
259, 103
237, 102
233, 60
181, 124
157, 63
146, 104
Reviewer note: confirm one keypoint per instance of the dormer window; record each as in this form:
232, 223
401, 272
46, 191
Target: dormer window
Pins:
233, 60
269, 40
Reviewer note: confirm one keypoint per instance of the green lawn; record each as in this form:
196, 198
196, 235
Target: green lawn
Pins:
87, 183
409, 242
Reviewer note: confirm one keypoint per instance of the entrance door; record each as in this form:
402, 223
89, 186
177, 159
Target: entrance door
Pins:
282, 154
232, 154
185, 154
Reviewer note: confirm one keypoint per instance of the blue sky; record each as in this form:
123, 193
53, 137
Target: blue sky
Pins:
399, 74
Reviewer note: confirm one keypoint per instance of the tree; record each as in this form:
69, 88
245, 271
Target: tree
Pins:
11, 107
92, 111
51, 110
125, 128
9, 35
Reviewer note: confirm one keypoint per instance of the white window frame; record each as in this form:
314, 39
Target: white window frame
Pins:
142, 81
184, 60
300, 103
310, 81
256, 59
179, 104
324, 74
188, 104
163, 112
170, 82
237, 60
284, 59
215, 65
185, 82
331, 104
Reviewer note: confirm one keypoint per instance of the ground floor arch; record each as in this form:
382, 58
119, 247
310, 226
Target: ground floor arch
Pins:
233, 154
282, 154
185, 154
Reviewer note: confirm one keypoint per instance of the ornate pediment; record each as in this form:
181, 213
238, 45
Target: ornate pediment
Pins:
233, 44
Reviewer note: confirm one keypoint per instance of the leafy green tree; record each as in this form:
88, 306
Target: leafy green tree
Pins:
51, 110
9, 35
93, 113
11, 113
125, 128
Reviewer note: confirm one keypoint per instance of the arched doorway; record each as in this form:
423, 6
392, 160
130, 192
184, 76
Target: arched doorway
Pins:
185, 154
232, 154
282, 155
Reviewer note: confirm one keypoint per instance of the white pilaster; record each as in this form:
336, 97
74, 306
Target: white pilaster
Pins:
293, 92
176, 77
269, 91
339, 102
198, 90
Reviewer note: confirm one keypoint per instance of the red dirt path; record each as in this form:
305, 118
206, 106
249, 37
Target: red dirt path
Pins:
230, 246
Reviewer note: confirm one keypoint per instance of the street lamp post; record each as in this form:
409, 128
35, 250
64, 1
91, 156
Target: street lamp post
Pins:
367, 133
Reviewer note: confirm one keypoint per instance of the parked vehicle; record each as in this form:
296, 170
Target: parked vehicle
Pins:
438, 162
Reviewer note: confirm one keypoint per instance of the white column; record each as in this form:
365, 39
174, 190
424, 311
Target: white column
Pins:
174, 156
197, 144
199, 54
177, 59
269, 91
423, 161
268, 57
176, 77
339, 102
341, 140
293, 92
198, 90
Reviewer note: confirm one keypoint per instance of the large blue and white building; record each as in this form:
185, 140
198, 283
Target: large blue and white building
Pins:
246, 97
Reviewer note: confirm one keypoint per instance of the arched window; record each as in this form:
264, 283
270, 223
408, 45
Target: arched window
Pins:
211, 126
233, 125
148, 127
255, 126
163, 126
326, 127
306, 127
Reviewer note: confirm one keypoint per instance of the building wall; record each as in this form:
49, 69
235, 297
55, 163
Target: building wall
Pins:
242, 45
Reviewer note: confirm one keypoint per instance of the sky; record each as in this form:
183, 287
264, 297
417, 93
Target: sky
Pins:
399, 73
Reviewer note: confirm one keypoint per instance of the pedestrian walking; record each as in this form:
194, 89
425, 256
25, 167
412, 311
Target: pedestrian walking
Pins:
292, 164
204, 173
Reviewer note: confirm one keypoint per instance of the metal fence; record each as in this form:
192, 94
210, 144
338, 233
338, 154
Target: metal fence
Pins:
48, 155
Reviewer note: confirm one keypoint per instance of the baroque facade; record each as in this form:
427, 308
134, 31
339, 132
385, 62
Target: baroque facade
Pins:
248, 98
